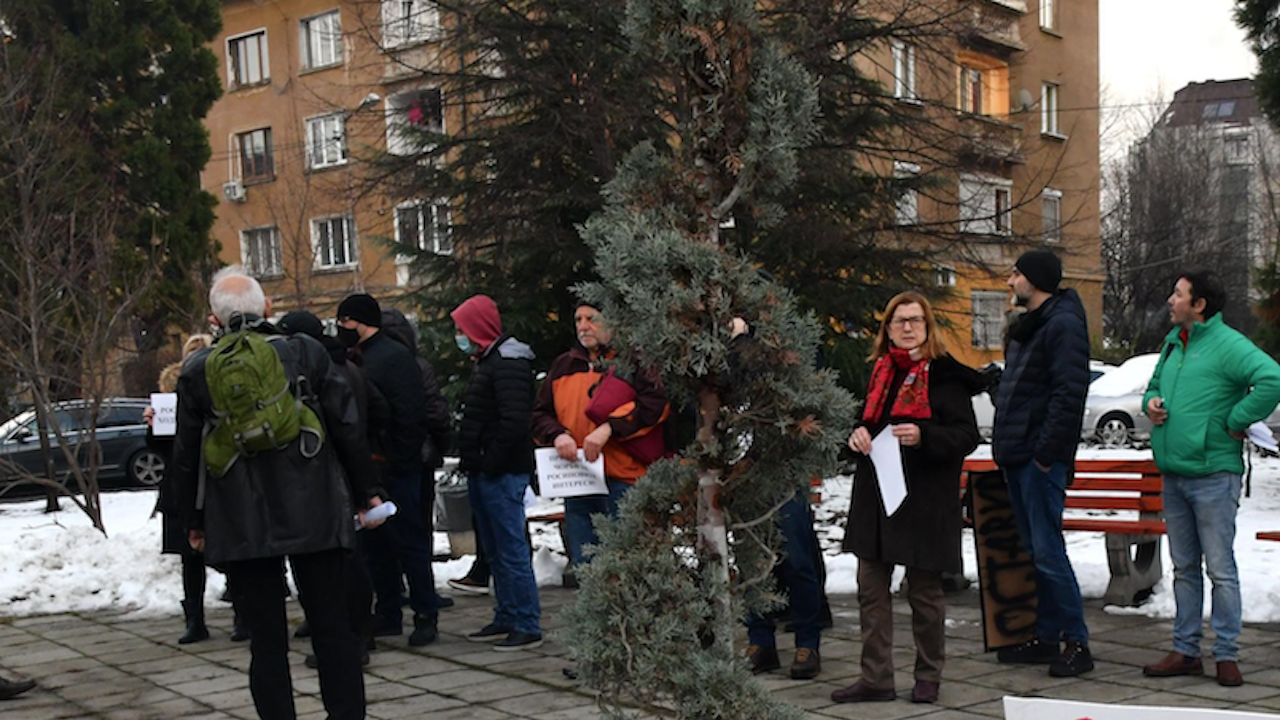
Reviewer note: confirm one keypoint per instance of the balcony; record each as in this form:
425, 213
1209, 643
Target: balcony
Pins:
994, 25
986, 140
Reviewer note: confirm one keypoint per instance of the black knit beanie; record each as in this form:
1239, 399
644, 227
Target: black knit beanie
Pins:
362, 308
1042, 268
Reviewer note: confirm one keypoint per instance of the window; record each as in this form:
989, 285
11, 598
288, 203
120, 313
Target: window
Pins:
985, 205
988, 318
247, 62
321, 40
971, 90
1236, 148
326, 141
904, 71
253, 152
1048, 11
1049, 109
1051, 212
411, 117
425, 226
908, 205
409, 21
944, 276
333, 241
260, 252
1218, 110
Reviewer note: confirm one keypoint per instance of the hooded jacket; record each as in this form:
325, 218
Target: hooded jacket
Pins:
1218, 383
1040, 402
497, 411
439, 424
280, 502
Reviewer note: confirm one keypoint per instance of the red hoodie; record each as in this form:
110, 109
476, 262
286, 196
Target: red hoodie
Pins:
479, 320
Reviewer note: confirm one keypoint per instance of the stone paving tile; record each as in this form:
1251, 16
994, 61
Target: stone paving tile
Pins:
541, 703
415, 706
16, 710
900, 708
500, 689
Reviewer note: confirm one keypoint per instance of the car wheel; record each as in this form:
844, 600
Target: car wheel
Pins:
146, 468
1115, 430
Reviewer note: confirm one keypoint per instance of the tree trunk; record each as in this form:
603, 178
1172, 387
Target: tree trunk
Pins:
713, 537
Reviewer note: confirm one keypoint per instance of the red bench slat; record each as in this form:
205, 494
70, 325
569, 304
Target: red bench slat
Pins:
1272, 535
1124, 527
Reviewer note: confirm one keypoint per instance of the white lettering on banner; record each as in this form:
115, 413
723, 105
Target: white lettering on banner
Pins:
1016, 708
165, 422
560, 478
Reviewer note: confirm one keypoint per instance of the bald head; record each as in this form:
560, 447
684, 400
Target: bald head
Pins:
235, 293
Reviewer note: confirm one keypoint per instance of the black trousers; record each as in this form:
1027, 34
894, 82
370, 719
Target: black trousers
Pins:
258, 586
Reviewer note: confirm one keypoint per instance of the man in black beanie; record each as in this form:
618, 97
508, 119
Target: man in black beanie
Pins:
1039, 408
402, 543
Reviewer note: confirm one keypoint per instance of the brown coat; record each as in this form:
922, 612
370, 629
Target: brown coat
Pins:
925, 531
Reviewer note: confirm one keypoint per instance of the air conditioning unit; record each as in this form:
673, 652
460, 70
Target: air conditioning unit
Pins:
234, 191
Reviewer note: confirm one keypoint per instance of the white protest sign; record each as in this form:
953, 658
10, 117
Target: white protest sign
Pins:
165, 422
1016, 708
560, 478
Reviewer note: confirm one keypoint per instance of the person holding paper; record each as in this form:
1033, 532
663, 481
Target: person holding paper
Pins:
496, 454
1211, 383
585, 403
918, 398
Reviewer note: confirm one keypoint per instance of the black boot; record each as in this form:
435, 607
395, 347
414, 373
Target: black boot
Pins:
239, 628
14, 688
196, 631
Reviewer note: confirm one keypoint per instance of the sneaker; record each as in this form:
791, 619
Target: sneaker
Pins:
1032, 652
468, 585
490, 633
1076, 660
806, 665
762, 659
518, 641
424, 632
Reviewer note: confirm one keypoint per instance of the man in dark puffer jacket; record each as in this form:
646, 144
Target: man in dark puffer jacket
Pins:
1039, 408
496, 453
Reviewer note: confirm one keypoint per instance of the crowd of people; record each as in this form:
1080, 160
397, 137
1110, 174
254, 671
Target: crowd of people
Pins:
290, 439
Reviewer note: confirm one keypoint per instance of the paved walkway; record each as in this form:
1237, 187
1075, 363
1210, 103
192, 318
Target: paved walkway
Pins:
107, 666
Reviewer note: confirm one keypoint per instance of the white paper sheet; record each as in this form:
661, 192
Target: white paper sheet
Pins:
560, 478
1259, 434
165, 423
886, 456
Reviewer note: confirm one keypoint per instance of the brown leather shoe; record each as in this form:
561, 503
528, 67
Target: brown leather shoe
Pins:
1229, 674
925, 691
1173, 665
806, 665
861, 692
763, 659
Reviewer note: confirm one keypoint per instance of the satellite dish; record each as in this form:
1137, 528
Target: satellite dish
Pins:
1025, 99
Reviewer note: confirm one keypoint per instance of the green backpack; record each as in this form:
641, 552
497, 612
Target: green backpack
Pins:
254, 409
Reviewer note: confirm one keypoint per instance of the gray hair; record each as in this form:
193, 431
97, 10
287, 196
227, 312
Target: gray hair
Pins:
234, 292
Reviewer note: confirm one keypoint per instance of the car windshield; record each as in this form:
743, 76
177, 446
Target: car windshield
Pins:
1131, 377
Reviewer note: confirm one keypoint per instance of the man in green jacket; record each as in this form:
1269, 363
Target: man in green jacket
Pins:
1210, 385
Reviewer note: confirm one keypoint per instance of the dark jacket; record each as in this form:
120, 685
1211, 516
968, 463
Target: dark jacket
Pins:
173, 536
1040, 403
274, 503
925, 531
391, 368
439, 422
497, 411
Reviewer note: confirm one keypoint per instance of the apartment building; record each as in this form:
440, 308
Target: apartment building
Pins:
310, 86
1006, 147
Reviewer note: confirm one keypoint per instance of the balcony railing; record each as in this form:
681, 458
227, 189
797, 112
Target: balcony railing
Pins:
987, 139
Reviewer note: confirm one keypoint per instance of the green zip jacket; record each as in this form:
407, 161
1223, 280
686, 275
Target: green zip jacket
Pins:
1220, 383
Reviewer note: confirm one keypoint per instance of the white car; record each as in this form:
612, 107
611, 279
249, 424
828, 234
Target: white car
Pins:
984, 410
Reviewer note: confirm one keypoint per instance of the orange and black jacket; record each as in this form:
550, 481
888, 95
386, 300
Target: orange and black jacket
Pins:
562, 400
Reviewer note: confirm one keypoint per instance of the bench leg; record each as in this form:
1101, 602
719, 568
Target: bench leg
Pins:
1135, 566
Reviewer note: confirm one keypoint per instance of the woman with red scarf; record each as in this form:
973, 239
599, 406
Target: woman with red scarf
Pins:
921, 395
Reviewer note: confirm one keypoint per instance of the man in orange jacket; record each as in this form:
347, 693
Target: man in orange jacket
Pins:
584, 404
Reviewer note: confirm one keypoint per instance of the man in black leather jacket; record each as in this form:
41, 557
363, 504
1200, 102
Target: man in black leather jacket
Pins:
280, 503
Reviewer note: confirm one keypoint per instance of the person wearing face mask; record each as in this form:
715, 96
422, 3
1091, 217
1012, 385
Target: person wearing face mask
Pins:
496, 454
921, 395
403, 543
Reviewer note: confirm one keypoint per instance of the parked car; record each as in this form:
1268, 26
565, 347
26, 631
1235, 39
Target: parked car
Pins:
121, 433
1113, 413
984, 409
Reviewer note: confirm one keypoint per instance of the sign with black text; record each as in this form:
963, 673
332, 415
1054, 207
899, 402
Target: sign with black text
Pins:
560, 478
165, 422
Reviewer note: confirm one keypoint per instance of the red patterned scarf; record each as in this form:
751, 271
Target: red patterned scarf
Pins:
913, 397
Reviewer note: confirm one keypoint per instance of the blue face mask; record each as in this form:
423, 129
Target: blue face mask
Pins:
464, 343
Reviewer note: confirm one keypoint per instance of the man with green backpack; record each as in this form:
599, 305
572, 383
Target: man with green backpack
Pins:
269, 463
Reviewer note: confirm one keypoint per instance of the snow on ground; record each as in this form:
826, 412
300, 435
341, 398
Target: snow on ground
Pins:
59, 563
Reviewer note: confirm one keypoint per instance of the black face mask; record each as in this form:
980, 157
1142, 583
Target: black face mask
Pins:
348, 336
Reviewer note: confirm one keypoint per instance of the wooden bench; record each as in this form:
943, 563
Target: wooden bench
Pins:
1132, 542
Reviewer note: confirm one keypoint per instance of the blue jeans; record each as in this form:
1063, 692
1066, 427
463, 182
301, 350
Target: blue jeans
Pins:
798, 574
1038, 498
1200, 518
577, 517
403, 544
497, 502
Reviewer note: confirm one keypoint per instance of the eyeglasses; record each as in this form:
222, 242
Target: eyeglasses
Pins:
917, 321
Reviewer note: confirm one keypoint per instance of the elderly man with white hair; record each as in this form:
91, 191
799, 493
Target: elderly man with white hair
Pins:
290, 500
